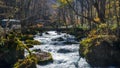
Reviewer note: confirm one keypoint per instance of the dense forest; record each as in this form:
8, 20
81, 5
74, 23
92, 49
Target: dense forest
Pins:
92, 27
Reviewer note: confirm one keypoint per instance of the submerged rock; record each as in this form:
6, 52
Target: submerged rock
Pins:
46, 33
29, 45
64, 51
70, 42
37, 50
58, 39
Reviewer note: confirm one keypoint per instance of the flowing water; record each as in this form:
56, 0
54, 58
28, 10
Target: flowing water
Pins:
64, 49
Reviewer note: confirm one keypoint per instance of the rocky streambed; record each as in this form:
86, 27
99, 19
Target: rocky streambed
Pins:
62, 47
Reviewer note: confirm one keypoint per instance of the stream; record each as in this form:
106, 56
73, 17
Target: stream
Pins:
64, 49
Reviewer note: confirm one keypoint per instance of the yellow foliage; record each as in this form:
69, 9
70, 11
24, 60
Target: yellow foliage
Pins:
64, 1
114, 27
54, 6
110, 9
86, 42
86, 51
97, 19
97, 43
102, 25
92, 32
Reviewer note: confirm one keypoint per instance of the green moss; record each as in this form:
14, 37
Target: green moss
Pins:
29, 62
32, 42
85, 44
93, 41
113, 27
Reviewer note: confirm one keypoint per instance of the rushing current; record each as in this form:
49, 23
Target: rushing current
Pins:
64, 49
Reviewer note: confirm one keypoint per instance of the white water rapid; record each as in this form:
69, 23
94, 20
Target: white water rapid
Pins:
64, 49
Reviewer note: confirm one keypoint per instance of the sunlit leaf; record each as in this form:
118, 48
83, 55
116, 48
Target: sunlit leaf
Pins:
97, 19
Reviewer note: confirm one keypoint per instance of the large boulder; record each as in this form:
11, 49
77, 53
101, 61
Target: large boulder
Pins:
103, 55
64, 51
58, 39
9, 53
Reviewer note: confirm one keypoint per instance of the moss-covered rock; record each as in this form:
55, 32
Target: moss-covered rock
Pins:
43, 57
32, 42
12, 49
9, 52
100, 50
103, 55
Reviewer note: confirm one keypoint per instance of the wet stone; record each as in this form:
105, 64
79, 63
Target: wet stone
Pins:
58, 39
64, 51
